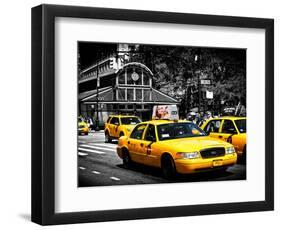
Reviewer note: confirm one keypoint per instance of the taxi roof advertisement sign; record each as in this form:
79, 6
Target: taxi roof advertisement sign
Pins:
169, 112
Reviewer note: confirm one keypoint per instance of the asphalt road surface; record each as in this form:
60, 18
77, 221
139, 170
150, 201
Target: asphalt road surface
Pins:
99, 165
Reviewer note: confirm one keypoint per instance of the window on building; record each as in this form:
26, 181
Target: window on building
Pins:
146, 94
130, 94
121, 78
130, 106
122, 107
145, 78
129, 76
121, 94
138, 94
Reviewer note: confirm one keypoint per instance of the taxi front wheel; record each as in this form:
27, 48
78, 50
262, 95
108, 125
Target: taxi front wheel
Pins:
244, 155
168, 167
126, 159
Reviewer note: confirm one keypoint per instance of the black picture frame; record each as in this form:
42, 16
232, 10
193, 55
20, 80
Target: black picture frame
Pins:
43, 114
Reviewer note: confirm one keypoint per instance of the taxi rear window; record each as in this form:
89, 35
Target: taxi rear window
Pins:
129, 120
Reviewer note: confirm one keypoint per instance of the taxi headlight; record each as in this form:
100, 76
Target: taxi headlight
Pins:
187, 155
230, 150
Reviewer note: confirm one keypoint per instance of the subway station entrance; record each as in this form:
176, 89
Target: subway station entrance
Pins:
131, 92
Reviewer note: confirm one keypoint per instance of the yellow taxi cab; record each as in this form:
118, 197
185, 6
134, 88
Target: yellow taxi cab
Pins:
175, 147
83, 127
119, 125
230, 129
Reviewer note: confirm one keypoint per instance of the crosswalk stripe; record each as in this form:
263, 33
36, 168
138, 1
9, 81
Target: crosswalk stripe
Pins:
82, 154
98, 147
82, 168
106, 145
95, 172
114, 178
91, 150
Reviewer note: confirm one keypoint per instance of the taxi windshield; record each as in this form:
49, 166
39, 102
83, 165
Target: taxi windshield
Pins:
241, 125
179, 130
129, 120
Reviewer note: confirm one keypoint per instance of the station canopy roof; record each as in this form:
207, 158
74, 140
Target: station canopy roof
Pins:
106, 96
86, 94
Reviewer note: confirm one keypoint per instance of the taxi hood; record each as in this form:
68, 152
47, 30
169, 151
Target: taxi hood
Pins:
191, 144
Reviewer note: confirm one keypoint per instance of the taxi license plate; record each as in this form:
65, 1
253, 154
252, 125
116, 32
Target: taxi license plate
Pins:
217, 163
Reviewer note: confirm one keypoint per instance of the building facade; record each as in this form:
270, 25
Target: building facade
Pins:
114, 85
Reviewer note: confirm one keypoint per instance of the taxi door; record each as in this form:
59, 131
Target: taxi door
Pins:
135, 144
213, 128
147, 146
228, 130
113, 126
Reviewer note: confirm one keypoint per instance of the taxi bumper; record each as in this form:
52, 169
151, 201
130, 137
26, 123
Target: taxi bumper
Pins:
83, 130
187, 166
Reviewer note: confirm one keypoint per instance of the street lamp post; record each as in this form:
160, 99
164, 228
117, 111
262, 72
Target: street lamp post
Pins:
98, 85
198, 82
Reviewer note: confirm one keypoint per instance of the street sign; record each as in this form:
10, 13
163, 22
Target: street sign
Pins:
205, 82
123, 47
209, 94
203, 76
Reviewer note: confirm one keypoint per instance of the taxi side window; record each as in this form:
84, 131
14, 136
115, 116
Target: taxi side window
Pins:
213, 126
115, 121
108, 119
138, 131
150, 133
228, 127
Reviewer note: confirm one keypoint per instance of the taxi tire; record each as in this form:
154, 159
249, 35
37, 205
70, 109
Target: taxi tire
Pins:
127, 162
107, 138
121, 134
244, 156
168, 167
